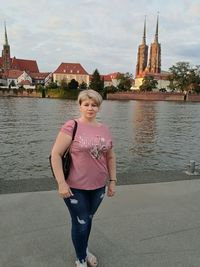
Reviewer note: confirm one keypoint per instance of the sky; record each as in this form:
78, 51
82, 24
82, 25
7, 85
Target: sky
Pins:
102, 34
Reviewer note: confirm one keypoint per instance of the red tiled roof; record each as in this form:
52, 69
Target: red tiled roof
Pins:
106, 78
24, 82
71, 68
114, 75
22, 64
39, 75
13, 74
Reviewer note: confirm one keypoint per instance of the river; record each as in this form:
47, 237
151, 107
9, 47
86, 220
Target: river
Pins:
148, 135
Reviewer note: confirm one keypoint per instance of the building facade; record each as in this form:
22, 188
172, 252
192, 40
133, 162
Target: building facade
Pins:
150, 66
68, 71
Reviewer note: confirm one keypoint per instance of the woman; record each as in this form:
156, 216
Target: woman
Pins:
93, 166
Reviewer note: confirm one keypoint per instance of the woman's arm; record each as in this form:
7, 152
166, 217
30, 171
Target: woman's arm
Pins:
111, 163
62, 142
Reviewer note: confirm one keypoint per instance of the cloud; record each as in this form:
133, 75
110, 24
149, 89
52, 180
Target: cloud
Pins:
100, 34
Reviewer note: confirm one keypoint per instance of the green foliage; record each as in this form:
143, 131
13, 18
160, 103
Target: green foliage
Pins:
61, 93
179, 75
109, 89
184, 77
52, 85
194, 79
83, 86
96, 82
148, 83
21, 89
73, 84
63, 84
124, 81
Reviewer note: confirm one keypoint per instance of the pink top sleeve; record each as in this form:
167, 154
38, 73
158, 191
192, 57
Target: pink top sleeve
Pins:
68, 127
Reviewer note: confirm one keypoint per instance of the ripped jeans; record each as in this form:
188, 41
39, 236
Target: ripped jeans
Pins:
82, 207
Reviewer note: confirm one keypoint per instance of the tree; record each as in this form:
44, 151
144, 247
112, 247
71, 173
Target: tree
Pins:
73, 84
148, 83
194, 79
52, 85
83, 86
179, 75
124, 81
109, 89
63, 84
96, 83
185, 77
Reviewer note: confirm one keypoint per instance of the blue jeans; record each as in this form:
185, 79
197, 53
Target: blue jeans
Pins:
82, 207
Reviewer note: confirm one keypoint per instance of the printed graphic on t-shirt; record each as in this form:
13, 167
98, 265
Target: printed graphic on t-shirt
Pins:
96, 146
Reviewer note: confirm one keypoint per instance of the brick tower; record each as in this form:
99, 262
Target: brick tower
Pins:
155, 54
6, 53
142, 55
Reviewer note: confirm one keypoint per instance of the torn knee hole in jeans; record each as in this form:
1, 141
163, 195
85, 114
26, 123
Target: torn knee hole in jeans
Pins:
102, 195
73, 201
81, 221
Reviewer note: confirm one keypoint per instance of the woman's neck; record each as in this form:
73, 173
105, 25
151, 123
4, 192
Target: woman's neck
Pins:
93, 121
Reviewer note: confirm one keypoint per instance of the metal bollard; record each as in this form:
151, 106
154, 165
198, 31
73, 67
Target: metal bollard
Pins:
191, 168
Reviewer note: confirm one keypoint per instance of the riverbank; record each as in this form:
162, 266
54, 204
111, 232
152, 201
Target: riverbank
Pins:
73, 94
154, 96
47, 93
48, 184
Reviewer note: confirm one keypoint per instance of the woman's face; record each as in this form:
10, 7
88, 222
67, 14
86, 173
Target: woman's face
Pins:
89, 109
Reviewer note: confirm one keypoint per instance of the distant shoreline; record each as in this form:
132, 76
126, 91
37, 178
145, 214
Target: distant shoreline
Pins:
146, 96
154, 96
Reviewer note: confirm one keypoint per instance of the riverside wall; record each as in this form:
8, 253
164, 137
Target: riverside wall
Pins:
148, 96
18, 93
154, 96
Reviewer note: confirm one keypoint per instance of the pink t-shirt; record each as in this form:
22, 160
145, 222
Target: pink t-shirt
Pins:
89, 168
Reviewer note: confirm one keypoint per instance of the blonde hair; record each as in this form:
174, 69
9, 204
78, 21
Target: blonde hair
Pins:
90, 94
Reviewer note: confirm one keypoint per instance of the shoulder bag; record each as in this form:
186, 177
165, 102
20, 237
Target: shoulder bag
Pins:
66, 158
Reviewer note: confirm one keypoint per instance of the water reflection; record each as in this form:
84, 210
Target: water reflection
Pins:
144, 132
144, 122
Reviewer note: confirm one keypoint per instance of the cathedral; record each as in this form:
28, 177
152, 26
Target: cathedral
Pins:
149, 64
19, 72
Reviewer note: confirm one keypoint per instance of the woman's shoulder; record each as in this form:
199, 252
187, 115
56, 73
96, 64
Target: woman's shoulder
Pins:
68, 126
104, 125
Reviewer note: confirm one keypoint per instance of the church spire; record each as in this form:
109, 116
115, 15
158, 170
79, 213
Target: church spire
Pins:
156, 35
6, 37
155, 54
144, 34
6, 52
142, 54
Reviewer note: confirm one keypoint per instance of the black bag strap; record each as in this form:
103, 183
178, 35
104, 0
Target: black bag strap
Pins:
73, 135
74, 130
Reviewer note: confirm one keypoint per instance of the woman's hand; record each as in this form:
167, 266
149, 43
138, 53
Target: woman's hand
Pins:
111, 189
64, 190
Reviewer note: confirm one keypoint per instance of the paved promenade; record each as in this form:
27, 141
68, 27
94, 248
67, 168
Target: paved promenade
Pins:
144, 225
